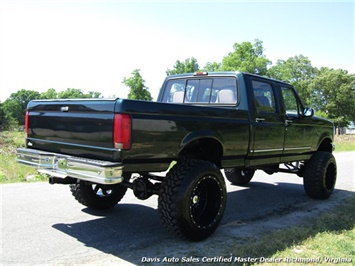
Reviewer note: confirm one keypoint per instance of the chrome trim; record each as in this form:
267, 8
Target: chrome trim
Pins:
62, 166
300, 148
279, 149
71, 144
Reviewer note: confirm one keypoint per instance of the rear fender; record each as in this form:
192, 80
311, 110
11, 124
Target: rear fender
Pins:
201, 134
203, 144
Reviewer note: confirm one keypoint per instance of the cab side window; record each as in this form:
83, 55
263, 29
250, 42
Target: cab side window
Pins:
264, 97
291, 102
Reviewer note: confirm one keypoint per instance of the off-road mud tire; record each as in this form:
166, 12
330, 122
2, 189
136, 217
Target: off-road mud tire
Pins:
320, 175
192, 199
239, 176
97, 196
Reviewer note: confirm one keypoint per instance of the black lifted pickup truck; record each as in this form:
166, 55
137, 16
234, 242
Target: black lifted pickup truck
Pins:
202, 123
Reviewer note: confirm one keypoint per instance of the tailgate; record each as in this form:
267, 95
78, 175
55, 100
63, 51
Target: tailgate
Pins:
77, 127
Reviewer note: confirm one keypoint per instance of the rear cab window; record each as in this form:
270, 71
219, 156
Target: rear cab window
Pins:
215, 90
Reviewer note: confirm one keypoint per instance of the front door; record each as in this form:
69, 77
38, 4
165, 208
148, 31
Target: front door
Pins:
298, 128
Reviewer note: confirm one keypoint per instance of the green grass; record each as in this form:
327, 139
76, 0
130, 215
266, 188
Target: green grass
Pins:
344, 143
331, 235
10, 171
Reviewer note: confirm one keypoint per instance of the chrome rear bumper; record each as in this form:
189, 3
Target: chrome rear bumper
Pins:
62, 166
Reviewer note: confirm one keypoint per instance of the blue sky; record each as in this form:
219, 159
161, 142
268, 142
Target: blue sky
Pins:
93, 45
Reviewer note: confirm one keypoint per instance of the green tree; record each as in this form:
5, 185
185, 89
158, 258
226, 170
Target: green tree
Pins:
14, 108
247, 57
12, 111
297, 71
190, 65
138, 90
212, 67
95, 94
71, 93
49, 94
2, 117
333, 94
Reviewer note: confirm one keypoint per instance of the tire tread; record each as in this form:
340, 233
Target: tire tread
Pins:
315, 170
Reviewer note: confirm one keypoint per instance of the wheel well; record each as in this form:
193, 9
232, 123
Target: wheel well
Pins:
208, 149
326, 145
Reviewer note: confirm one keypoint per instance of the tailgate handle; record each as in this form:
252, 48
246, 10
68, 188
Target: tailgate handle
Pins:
64, 108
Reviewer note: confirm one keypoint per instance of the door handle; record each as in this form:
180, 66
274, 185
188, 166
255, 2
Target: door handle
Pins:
258, 119
288, 122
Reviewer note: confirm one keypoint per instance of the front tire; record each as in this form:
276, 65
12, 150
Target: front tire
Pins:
320, 175
97, 196
192, 199
239, 176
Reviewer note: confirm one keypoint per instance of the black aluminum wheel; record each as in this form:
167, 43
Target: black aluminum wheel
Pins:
205, 201
192, 199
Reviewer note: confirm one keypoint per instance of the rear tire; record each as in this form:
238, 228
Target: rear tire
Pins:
239, 176
97, 196
192, 199
320, 175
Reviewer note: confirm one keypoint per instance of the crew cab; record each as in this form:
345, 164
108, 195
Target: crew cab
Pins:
203, 124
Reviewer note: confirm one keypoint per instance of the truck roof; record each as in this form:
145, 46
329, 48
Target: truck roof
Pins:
223, 73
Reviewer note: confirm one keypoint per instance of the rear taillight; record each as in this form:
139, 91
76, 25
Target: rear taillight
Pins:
26, 124
122, 127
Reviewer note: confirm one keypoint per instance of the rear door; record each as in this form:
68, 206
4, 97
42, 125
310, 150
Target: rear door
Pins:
268, 123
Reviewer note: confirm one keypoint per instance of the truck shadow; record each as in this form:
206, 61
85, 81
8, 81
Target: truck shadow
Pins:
133, 232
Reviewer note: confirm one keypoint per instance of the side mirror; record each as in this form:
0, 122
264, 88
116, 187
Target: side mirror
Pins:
308, 112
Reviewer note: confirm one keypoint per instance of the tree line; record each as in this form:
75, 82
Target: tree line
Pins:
331, 92
12, 111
